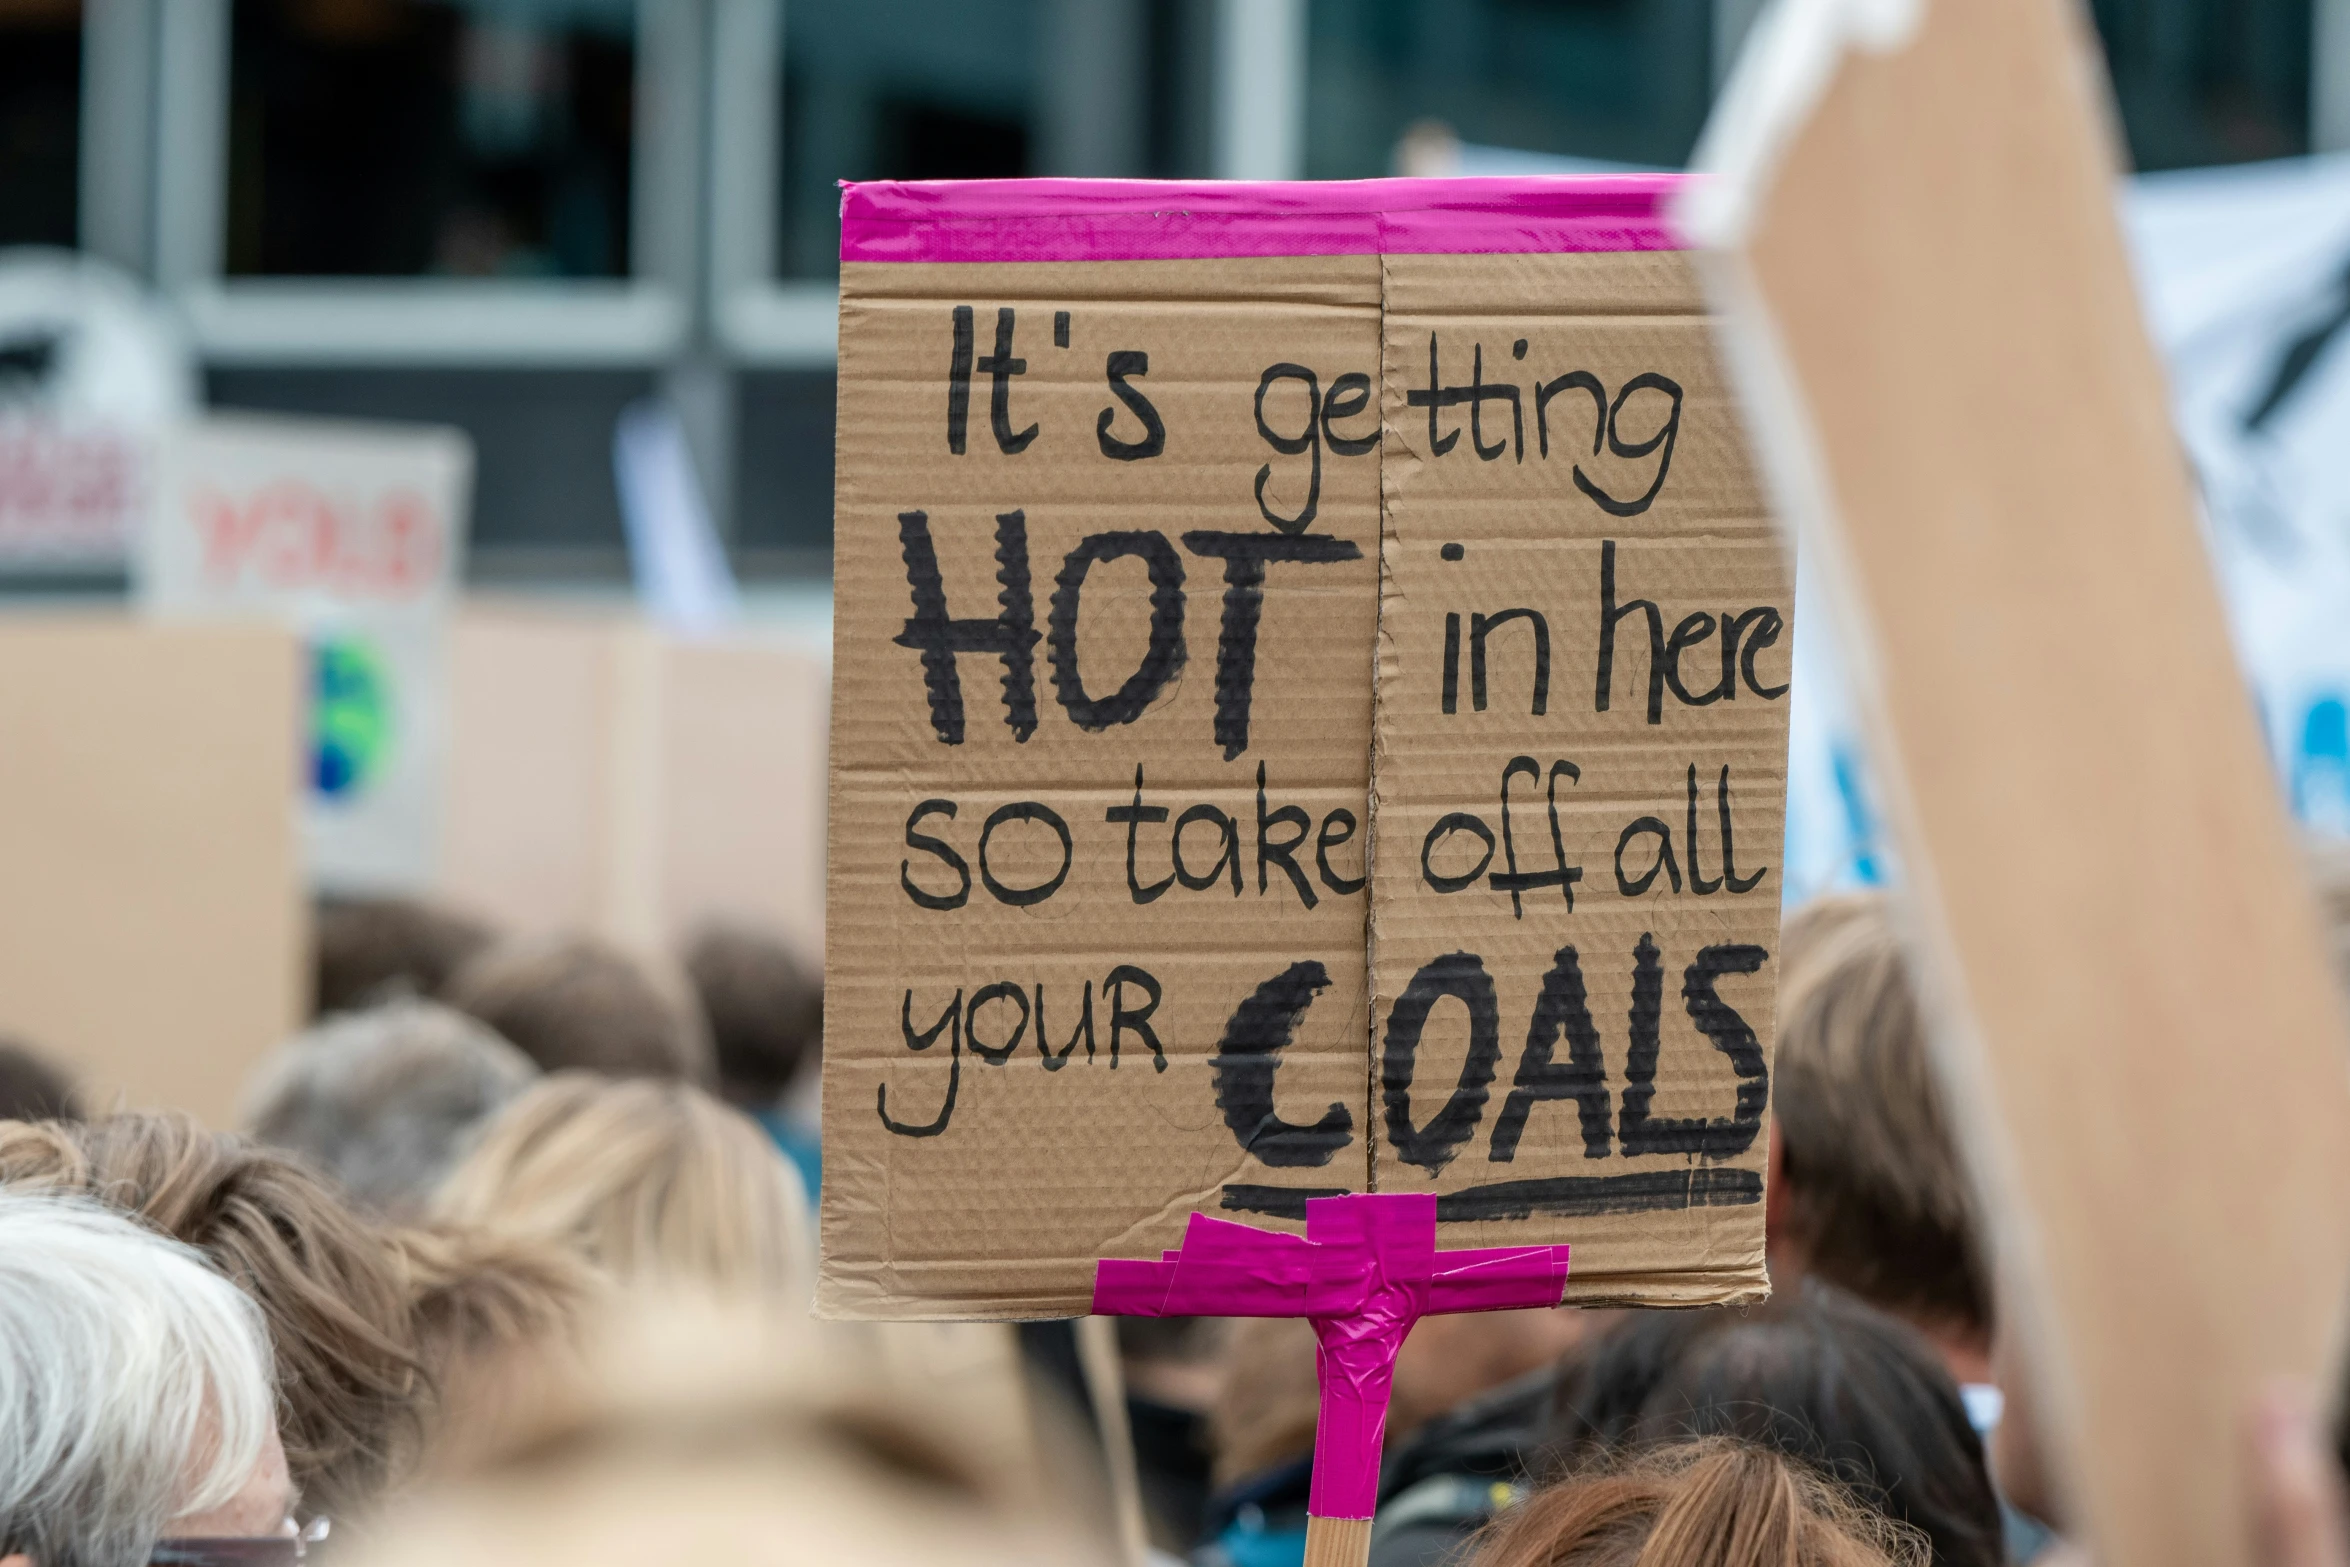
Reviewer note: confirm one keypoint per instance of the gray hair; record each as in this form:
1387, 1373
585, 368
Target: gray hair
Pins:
386, 1100
135, 1383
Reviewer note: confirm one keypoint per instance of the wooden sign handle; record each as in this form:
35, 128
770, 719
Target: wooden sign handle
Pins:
1337, 1542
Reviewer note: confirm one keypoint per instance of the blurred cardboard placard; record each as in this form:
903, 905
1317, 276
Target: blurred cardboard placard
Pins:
605, 777
1120, 647
73, 491
354, 535
1930, 311
154, 934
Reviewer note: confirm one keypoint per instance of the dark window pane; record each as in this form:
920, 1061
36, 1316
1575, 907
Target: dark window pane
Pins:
2209, 81
40, 120
392, 138
980, 89
1626, 80
783, 472
899, 89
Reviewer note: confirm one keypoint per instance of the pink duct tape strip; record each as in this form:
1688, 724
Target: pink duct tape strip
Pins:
1142, 220
1366, 1269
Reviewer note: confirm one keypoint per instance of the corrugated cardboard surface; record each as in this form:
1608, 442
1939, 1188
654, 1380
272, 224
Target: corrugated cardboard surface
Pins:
1038, 1172
2146, 1032
962, 1180
153, 937
1521, 1152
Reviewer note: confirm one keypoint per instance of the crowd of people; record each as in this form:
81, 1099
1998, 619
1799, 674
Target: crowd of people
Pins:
512, 1261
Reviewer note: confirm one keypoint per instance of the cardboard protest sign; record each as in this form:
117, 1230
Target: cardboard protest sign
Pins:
353, 534
605, 777
72, 491
154, 935
1931, 315
1581, 763
1103, 925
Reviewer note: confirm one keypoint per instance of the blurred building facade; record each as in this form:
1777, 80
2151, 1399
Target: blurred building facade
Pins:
519, 216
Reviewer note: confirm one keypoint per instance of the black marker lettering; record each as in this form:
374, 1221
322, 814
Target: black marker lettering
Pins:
1245, 557
1133, 815
959, 382
1000, 367
1563, 1009
1349, 395
1609, 613
1573, 380
1123, 1017
1248, 1056
1010, 636
1482, 626
1514, 881
1692, 630
1282, 851
1292, 445
1228, 858
946, 854
1325, 841
1667, 433
951, 1018
996, 1055
1664, 857
1689, 841
1123, 363
1446, 826
1432, 1147
1025, 811
1730, 876
1162, 660
1052, 1062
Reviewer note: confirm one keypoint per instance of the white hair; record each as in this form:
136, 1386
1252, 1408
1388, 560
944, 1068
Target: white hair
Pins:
136, 1384
387, 1100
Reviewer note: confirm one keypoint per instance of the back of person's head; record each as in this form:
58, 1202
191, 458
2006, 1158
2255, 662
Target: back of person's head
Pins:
765, 1007
1818, 1376
1703, 1503
134, 1384
1871, 1190
33, 1087
711, 1435
385, 1100
328, 1283
371, 949
650, 1180
571, 1003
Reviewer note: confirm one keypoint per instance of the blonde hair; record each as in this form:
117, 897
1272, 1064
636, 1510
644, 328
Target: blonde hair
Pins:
650, 1180
1874, 1191
1706, 1503
720, 1431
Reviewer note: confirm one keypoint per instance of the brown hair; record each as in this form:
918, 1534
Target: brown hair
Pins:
350, 1385
648, 1180
370, 949
33, 1087
571, 1003
1706, 1503
475, 1294
765, 1006
1873, 1190
499, 1318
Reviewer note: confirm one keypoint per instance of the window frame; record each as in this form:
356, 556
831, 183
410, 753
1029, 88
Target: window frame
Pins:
645, 319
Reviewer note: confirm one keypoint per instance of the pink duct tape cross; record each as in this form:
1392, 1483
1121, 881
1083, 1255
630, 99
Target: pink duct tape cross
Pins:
1366, 1269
